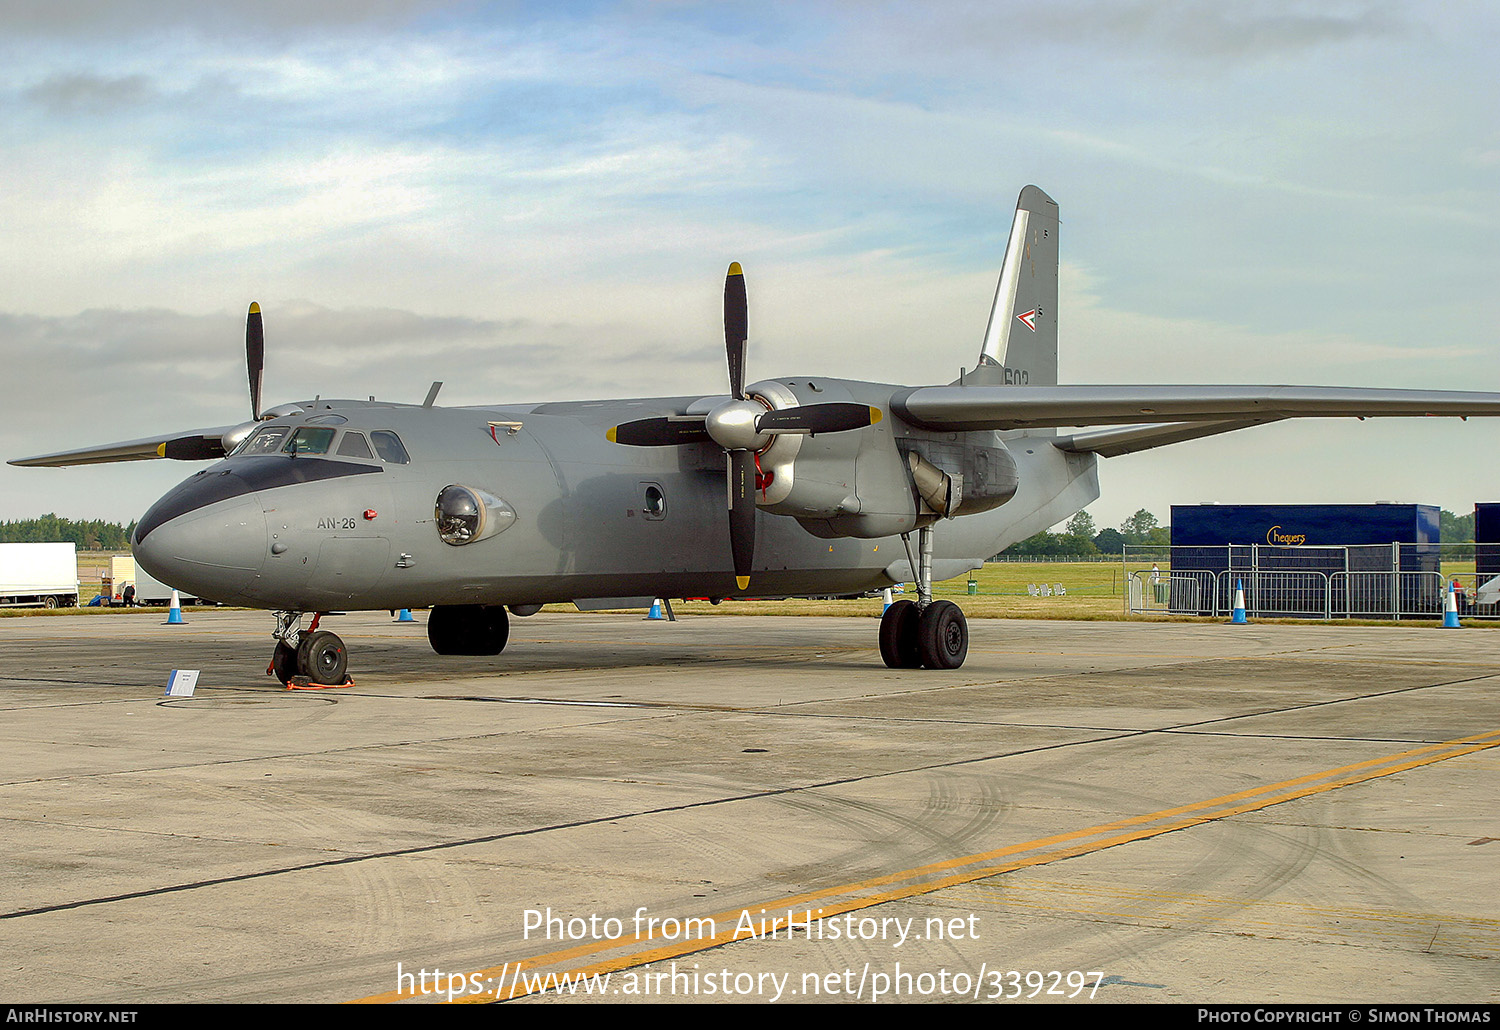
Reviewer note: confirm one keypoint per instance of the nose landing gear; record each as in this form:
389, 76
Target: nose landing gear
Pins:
311, 659
923, 633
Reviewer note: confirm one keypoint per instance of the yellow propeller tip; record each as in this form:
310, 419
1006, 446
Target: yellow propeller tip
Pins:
743, 582
161, 450
735, 269
875, 415
254, 308
610, 434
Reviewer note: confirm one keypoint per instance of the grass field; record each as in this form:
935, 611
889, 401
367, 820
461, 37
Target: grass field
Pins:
1094, 590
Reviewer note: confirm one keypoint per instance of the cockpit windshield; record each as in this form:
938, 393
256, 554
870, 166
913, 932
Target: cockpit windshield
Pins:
263, 441
309, 440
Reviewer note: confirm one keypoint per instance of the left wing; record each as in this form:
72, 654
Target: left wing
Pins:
972, 408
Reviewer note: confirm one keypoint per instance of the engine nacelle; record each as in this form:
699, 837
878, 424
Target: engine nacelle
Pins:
836, 484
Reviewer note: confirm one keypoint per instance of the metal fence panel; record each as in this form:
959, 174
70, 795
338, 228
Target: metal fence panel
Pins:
1389, 595
1277, 594
1155, 592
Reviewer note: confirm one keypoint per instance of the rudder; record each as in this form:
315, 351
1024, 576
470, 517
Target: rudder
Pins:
1020, 342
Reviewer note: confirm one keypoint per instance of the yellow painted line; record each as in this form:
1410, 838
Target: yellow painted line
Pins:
1046, 850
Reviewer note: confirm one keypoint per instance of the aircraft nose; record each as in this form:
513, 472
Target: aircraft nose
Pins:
206, 538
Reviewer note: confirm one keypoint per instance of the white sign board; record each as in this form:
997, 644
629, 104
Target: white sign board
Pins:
182, 683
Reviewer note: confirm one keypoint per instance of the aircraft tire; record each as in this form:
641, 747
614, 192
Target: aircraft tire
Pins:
284, 662
943, 636
445, 628
492, 630
468, 629
898, 636
322, 658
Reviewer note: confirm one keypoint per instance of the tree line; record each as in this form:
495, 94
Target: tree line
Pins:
1080, 538
93, 535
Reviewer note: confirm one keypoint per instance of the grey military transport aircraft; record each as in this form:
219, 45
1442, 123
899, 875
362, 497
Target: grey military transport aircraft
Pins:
834, 486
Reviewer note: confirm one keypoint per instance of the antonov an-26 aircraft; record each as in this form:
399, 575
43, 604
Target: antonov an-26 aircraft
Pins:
794, 486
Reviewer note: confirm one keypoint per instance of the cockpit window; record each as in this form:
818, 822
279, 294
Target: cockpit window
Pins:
309, 440
353, 445
264, 441
388, 445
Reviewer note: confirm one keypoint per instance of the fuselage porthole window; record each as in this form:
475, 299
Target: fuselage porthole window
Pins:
353, 445
388, 446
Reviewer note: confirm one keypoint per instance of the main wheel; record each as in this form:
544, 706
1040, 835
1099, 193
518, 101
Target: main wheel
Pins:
472, 629
284, 662
898, 636
943, 636
321, 658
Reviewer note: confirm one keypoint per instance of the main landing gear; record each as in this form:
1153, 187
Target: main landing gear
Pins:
307, 658
923, 634
468, 628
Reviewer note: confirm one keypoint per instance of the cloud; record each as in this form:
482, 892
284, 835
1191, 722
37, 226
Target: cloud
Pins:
106, 18
80, 93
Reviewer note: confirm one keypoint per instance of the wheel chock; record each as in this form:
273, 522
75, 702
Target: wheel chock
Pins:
306, 683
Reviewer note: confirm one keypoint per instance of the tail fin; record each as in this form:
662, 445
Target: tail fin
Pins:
1020, 342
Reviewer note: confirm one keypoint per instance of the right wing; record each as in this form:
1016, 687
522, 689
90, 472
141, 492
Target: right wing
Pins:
193, 445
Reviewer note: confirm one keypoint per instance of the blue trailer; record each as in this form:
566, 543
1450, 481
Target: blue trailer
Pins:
1324, 540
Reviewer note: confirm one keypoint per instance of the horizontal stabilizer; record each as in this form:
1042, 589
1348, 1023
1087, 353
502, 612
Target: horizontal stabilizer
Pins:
1111, 443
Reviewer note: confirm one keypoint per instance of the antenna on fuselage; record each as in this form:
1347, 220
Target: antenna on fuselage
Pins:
432, 392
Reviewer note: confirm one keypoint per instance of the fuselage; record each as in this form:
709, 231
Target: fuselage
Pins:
335, 507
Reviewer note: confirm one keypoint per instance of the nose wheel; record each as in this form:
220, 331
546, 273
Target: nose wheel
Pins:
314, 658
924, 634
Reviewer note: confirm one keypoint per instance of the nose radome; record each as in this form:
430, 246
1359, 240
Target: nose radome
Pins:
213, 551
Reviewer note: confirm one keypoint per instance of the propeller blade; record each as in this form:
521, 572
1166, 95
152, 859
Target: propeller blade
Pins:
836, 417
660, 432
192, 448
736, 328
255, 357
742, 514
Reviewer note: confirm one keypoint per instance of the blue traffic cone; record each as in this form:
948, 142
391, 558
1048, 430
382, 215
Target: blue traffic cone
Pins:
655, 612
1238, 618
1450, 611
404, 615
174, 614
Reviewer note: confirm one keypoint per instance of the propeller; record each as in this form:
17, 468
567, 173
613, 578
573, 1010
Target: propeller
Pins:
215, 443
743, 426
255, 357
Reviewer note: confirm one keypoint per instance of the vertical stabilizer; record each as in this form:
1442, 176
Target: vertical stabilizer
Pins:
1020, 342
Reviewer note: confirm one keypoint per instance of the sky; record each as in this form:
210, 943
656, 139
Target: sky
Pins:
537, 201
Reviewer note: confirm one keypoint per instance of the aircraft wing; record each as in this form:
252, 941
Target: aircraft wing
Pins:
971, 408
192, 445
